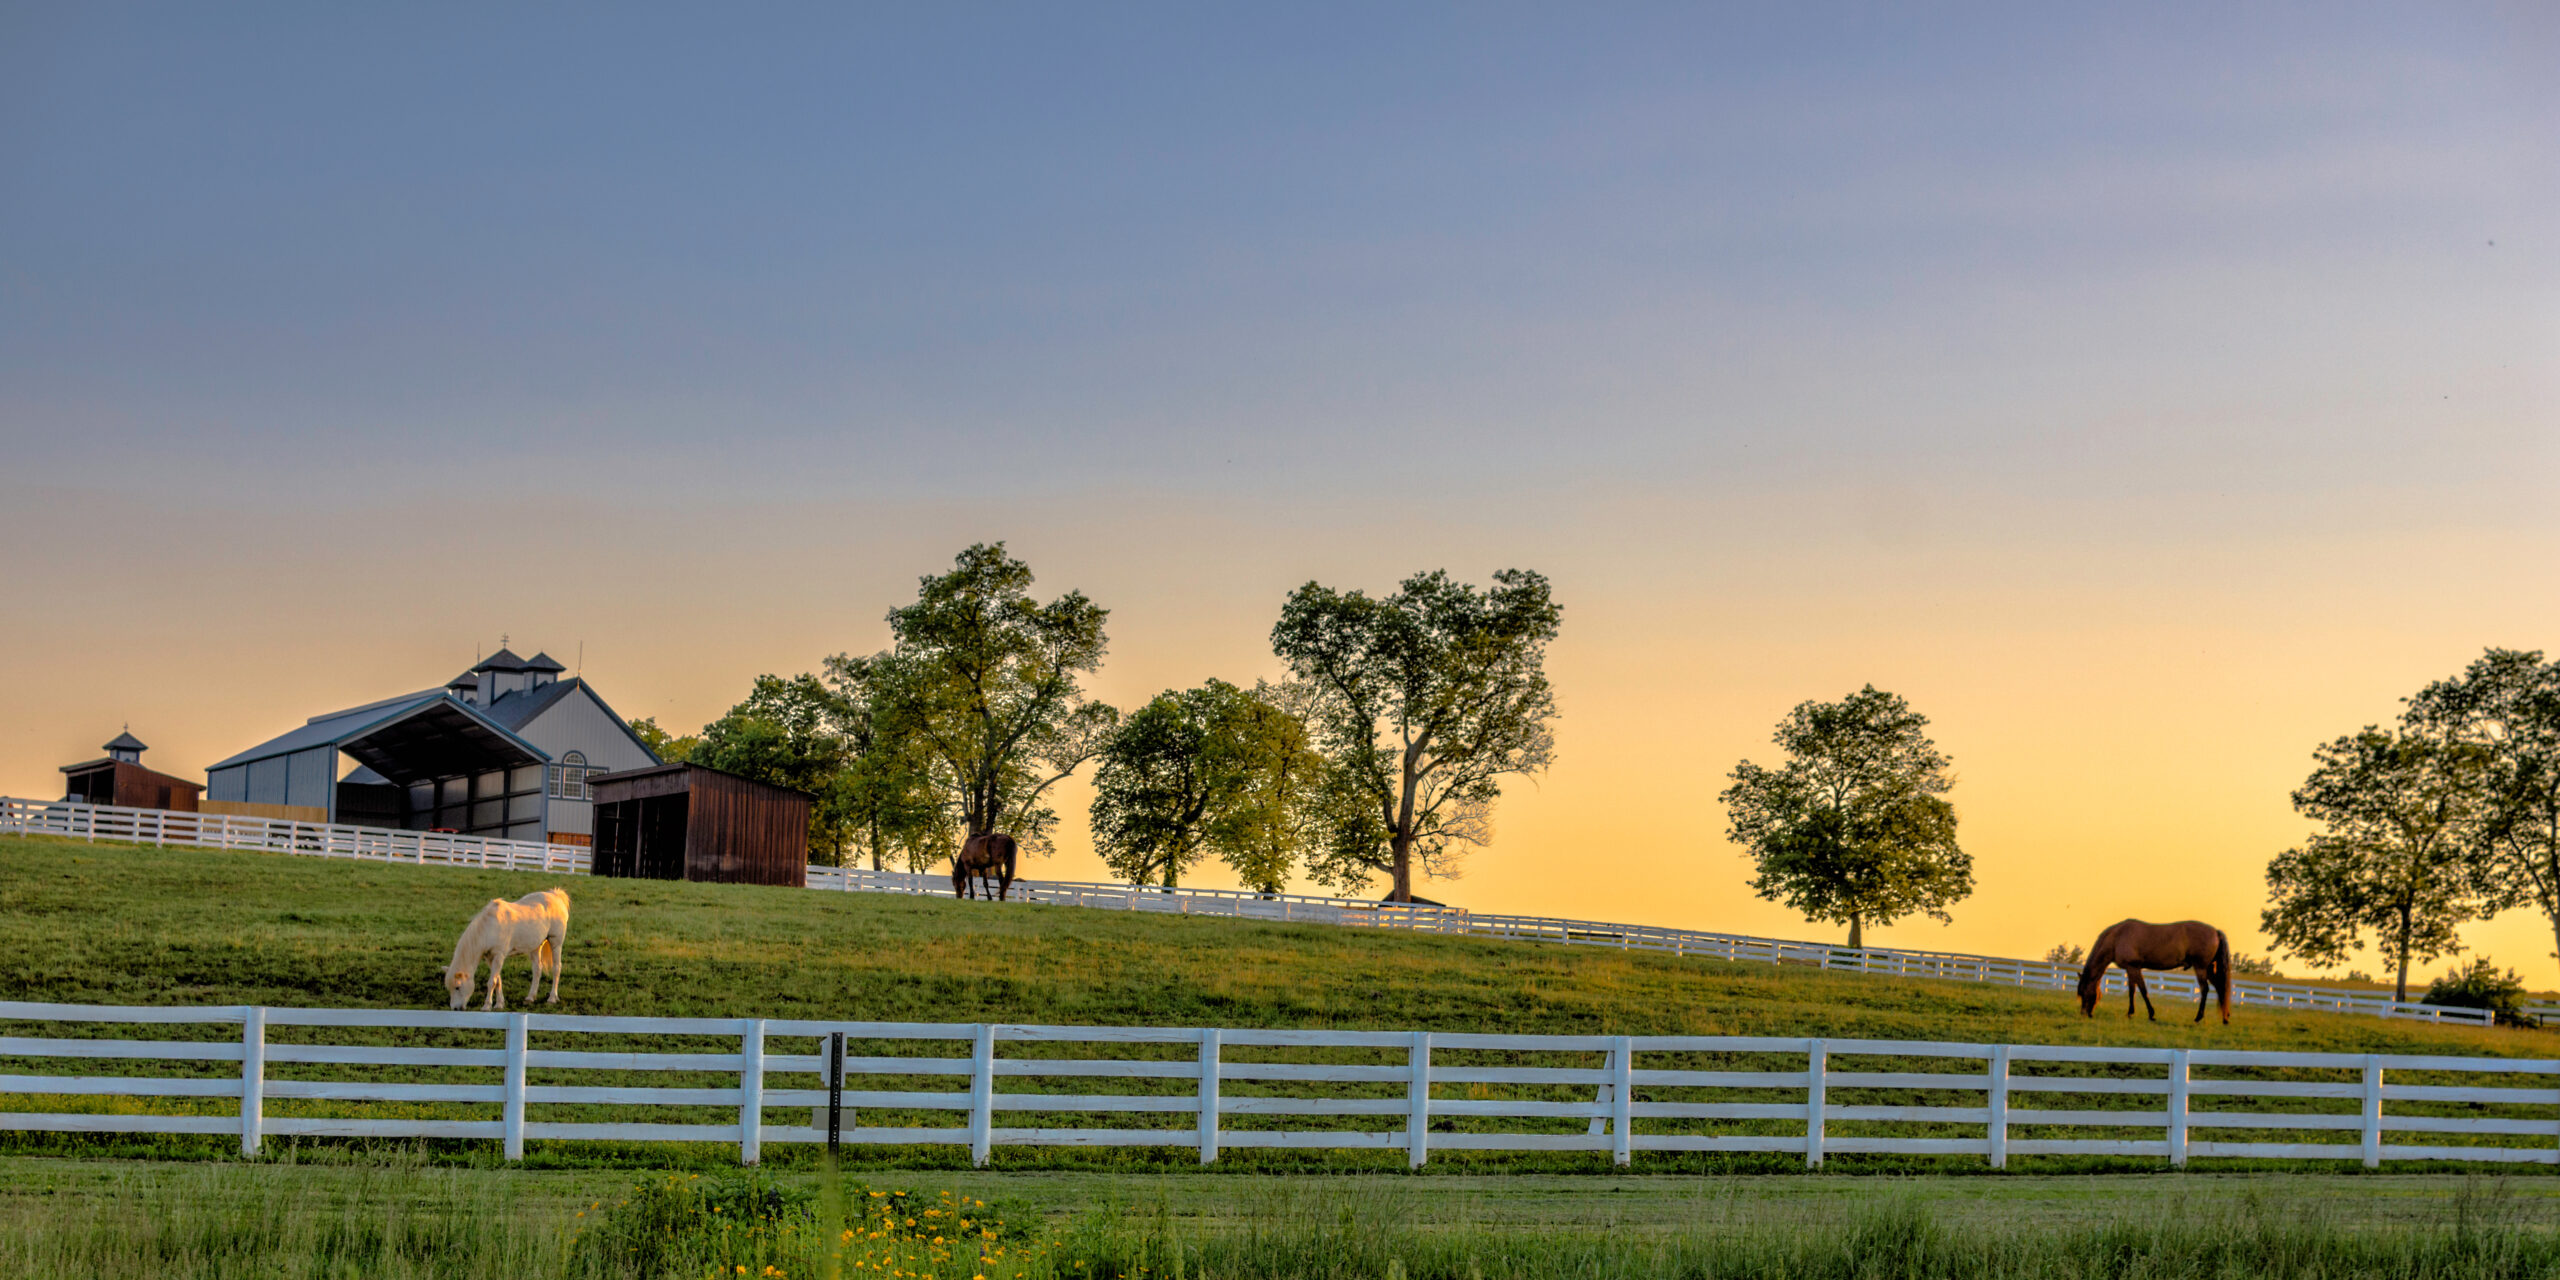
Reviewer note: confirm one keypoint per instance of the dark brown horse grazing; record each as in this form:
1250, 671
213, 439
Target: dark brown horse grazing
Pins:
2136, 945
982, 857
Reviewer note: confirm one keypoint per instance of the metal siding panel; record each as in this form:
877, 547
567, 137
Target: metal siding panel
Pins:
311, 778
266, 781
571, 817
228, 785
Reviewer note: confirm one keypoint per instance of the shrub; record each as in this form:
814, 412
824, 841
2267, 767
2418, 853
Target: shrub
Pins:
2479, 985
2249, 966
2066, 953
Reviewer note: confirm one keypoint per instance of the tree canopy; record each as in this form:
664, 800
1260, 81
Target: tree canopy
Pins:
2507, 704
987, 684
1195, 771
1423, 701
1853, 829
2398, 854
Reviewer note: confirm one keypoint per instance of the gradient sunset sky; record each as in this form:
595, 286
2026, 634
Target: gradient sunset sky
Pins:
2147, 395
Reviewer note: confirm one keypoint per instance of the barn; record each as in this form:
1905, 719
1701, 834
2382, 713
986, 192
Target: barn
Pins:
119, 778
689, 822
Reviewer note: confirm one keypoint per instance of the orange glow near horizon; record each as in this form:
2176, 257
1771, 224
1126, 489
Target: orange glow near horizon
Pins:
2126, 719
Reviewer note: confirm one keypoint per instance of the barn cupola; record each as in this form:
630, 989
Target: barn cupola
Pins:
464, 687
541, 669
500, 673
127, 748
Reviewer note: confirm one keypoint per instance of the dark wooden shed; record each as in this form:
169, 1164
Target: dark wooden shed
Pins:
686, 822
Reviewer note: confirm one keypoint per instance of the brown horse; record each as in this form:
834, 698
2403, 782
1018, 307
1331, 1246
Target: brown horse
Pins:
2136, 945
982, 857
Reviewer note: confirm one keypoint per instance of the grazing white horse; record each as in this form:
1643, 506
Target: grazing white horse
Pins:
535, 925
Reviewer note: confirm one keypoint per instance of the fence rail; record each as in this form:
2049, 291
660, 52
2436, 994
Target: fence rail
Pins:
155, 826
257, 1073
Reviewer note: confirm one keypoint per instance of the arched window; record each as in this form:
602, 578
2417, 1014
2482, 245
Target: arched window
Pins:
569, 777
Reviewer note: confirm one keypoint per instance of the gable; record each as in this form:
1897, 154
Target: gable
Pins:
580, 721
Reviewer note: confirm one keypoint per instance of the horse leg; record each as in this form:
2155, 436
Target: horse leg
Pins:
2145, 989
555, 944
497, 982
2204, 988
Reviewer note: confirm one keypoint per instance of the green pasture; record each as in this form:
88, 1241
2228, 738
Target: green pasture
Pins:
136, 925
407, 1218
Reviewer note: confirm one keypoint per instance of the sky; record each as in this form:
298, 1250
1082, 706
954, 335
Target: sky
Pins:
2147, 396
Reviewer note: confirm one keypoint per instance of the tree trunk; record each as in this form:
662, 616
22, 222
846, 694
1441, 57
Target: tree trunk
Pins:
1857, 932
2401, 992
1401, 849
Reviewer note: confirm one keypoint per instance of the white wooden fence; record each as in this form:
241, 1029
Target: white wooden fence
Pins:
154, 826
256, 1073
277, 835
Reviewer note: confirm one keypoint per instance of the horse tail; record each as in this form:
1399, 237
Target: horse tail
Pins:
2222, 970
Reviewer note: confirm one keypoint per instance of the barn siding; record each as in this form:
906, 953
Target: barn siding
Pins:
689, 822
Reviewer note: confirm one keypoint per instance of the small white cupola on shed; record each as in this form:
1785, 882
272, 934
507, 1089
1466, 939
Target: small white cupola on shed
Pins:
126, 747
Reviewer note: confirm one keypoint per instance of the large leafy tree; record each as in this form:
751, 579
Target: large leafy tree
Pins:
2507, 702
988, 683
1854, 828
2396, 856
1423, 701
1216, 769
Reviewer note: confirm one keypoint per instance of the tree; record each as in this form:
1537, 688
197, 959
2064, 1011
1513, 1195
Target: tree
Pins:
1423, 701
2507, 703
2398, 856
1213, 769
667, 747
898, 805
788, 732
1276, 818
1853, 828
988, 681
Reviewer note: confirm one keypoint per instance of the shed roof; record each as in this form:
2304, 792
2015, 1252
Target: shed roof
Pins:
126, 742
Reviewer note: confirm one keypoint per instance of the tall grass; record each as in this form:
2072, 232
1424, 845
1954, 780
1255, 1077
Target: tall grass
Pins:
240, 1221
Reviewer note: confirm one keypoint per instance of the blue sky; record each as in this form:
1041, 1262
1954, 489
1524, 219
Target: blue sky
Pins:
1322, 248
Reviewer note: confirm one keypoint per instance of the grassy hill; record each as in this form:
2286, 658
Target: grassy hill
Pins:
135, 925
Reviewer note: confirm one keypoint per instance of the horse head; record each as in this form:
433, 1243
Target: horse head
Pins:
457, 984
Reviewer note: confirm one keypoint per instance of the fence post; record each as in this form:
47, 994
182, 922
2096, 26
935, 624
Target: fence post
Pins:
982, 1095
1208, 1094
1622, 1106
1417, 1099
253, 1078
835, 1092
2178, 1108
1813, 1092
2373, 1111
512, 1118
1999, 1127
751, 1091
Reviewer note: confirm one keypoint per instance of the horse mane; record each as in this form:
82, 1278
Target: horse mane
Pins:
474, 940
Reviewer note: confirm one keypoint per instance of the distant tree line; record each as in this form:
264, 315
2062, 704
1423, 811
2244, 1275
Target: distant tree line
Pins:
1380, 754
